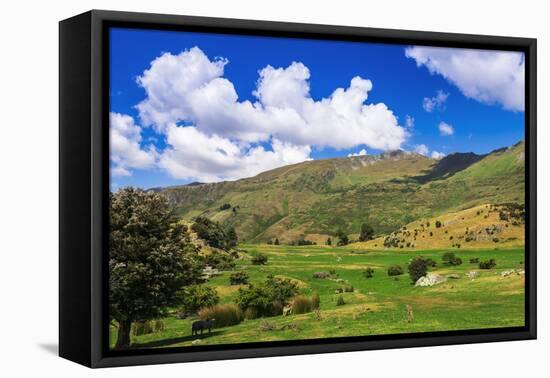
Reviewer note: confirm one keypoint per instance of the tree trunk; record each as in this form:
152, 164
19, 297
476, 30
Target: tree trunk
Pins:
123, 339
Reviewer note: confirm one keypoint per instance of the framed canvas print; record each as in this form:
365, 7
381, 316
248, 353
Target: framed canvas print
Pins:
234, 188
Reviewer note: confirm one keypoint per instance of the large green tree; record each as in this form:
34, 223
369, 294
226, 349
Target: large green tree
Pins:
150, 259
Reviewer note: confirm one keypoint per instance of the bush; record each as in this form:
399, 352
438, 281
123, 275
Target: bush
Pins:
449, 258
267, 298
349, 289
340, 301
474, 260
220, 260
321, 275
315, 301
303, 241
214, 234
224, 315
395, 270
367, 232
142, 328
259, 259
343, 239
276, 241
301, 305
225, 206
368, 273
438, 224
487, 264
431, 263
196, 297
238, 278
418, 267
158, 325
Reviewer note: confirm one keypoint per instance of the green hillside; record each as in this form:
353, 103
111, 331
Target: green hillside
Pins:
314, 199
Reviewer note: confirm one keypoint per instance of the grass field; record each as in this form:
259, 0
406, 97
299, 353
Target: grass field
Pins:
377, 305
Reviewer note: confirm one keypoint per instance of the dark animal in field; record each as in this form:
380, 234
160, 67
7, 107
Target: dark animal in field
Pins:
201, 325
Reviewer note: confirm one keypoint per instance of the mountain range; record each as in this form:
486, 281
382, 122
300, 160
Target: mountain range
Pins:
314, 199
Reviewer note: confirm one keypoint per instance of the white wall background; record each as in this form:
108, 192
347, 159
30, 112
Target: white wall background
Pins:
29, 186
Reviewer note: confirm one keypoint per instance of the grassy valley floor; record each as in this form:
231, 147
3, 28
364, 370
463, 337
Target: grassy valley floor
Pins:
377, 306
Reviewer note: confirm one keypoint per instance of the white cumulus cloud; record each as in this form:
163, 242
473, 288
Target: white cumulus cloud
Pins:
445, 129
437, 102
126, 152
490, 77
421, 149
437, 155
363, 152
409, 122
191, 103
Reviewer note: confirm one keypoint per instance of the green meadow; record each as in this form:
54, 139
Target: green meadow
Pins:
378, 305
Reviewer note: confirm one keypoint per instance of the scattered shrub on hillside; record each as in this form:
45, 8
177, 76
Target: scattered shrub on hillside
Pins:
367, 232
225, 206
349, 289
301, 304
214, 234
259, 259
303, 241
431, 263
487, 264
276, 241
368, 273
315, 301
270, 242
220, 260
449, 258
196, 297
329, 241
418, 267
321, 275
224, 315
496, 240
238, 278
340, 301
395, 270
267, 298
333, 272
343, 238
474, 260
438, 224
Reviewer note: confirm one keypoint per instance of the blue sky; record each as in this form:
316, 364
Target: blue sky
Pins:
480, 99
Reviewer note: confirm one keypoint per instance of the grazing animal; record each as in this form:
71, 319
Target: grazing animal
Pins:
201, 325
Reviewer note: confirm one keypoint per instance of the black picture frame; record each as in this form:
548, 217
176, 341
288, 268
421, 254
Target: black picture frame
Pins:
84, 187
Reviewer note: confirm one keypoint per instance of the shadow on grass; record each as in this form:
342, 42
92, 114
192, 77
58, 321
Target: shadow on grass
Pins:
174, 340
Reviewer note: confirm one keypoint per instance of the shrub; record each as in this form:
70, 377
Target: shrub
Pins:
225, 206
220, 260
487, 264
367, 232
343, 239
259, 259
301, 305
266, 326
224, 315
474, 260
267, 298
418, 267
329, 241
276, 241
438, 224
321, 275
238, 278
214, 234
340, 301
395, 270
303, 241
159, 325
431, 263
449, 258
315, 301
142, 328
368, 273
196, 297
349, 289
